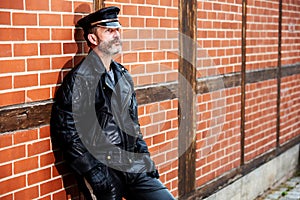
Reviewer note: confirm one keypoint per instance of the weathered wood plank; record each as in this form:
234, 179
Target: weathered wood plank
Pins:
187, 87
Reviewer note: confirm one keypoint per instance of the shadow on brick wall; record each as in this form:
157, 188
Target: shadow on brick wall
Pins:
69, 178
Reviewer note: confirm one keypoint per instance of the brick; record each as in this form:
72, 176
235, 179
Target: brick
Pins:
6, 82
26, 80
12, 184
12, 34
61, 34
5, 18
6, 140
145, 56
6, 170
172, 12
129, 10
17, 4
152, 22
47, 159
159, 56
28, 193
71, 48
172, 77
62, 195
38, 147
125, 21
24, 19
152, 129
152, 2
137, 22
38, 34
25, 136
12, 153
44, 132
25, 49
83, 7
159, 12
50, 48
138, 1
49, 20
61, 6
49, 197
39, 176
129, 57
159, 138
145, 120
159, 78
5, 50
78, 35
10, 66
70, 20
144, 11
62, 62
38, 94
167, 3
37, 5
11, 98
144, 80
38, 64
50, 186
25, 165
7, 197
50, 78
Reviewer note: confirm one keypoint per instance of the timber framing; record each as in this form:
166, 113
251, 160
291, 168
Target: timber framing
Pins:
31, 115
187, 86
232, 176
98, 4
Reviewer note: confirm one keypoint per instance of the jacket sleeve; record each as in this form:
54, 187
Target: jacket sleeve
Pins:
64, 131
141, 146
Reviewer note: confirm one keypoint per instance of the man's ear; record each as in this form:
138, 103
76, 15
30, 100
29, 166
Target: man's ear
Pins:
93, 39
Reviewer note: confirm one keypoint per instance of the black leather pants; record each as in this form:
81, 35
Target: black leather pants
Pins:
131, 186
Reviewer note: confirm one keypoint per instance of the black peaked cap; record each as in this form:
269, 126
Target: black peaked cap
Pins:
106, 17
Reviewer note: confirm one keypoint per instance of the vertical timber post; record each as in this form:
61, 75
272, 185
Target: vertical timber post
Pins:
279, 75
187, 97
98, 4
243, 81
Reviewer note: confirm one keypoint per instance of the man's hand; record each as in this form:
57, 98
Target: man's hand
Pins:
99, 179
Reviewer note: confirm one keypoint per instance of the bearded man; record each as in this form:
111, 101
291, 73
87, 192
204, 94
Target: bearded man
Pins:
95, 120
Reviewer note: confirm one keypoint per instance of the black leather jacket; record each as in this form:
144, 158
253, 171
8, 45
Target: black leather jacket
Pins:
92, 114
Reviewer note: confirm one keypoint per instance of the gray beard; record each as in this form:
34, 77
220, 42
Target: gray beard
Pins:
108, 48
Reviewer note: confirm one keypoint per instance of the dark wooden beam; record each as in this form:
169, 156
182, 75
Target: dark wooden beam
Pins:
243, 80
25, 116
187, 87
98, 4
279, 74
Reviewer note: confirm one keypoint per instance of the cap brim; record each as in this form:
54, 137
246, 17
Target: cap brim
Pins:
115, 24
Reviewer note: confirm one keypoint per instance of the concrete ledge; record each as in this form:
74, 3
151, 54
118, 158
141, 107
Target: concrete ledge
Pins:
261, 179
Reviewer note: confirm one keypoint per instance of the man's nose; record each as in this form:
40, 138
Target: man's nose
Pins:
117, 34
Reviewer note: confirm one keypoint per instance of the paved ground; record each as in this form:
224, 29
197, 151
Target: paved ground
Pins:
289, 190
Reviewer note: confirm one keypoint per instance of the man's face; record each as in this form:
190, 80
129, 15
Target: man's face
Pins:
109, 40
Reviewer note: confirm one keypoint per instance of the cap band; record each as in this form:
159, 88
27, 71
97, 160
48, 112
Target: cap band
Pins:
103, 21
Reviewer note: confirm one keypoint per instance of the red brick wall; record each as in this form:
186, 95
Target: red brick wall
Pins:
219, 52
39, 44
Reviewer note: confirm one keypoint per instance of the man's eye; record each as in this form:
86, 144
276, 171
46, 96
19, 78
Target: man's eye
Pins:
111, 30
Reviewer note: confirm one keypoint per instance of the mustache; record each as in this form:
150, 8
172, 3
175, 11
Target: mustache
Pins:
115, 40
